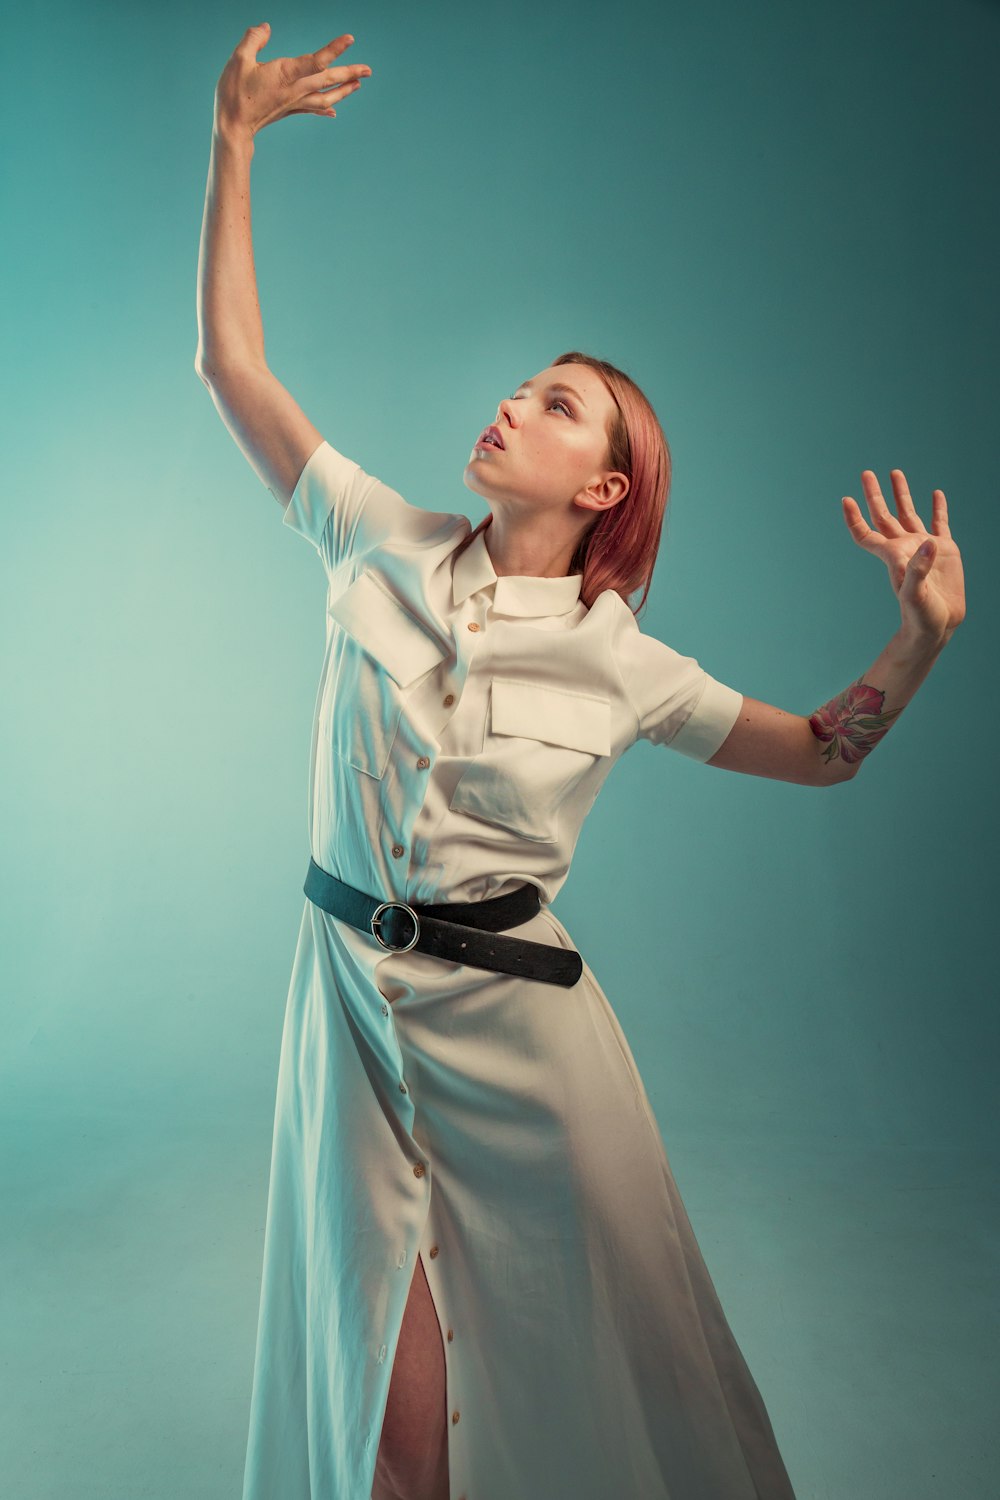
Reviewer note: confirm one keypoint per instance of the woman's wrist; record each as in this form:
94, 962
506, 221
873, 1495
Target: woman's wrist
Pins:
918, 643
231, 136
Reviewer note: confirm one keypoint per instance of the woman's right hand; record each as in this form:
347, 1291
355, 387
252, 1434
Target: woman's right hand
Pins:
250, 94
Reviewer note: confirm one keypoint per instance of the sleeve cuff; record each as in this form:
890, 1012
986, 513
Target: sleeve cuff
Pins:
708, 725
326, 475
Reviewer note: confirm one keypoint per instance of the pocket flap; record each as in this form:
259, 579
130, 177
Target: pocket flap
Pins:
386, 630
536, 712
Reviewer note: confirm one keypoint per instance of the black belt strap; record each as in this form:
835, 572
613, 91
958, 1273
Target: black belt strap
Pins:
465, 932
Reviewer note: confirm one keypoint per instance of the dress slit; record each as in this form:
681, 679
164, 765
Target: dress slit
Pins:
436, 1329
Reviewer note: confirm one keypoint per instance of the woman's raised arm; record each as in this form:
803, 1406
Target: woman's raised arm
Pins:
268, 425
925, 570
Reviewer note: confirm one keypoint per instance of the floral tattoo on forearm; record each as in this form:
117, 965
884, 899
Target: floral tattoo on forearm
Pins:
852, 724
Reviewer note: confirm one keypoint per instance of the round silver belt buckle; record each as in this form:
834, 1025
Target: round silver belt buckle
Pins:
376, 922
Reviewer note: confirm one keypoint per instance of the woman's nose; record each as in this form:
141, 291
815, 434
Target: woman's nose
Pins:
504, 410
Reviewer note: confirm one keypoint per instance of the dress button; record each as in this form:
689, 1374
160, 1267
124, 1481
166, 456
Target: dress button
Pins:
451, 1334
434, 1251
397, 850
449, 700
454, 1418
385, 1010
473, 626
423, 763
402, 1087
381, 1355
419, 1169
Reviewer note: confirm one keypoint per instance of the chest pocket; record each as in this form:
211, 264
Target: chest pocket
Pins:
541, 744
378, 649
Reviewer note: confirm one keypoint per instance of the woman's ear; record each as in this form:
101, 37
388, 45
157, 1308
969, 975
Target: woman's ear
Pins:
600, 497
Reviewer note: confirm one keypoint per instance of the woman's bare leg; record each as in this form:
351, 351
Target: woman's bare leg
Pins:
412, 1461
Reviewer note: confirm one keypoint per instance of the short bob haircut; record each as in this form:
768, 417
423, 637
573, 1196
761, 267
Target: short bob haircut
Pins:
618, 550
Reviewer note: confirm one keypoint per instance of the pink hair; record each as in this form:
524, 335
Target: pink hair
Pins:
618, 550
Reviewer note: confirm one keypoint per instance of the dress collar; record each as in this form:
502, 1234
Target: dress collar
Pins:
513, 595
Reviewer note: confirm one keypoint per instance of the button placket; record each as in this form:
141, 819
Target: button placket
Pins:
433, 1252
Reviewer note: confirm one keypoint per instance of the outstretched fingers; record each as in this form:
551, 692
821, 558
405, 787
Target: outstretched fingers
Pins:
880, 513
321, 89
939, 522
322, 86
904, 502
311, 62
888, 528
858, 526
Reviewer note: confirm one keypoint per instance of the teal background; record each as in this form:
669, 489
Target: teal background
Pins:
781, 220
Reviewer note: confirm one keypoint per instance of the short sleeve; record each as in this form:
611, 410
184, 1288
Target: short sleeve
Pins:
345, 512
677, 703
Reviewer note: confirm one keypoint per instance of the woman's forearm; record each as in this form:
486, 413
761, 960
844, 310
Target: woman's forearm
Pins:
230, 331
852, 724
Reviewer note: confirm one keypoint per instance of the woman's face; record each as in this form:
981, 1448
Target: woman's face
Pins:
554, 430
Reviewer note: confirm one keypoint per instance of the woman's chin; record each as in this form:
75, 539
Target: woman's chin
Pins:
475, 480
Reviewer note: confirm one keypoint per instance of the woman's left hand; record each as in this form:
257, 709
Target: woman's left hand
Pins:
930, 588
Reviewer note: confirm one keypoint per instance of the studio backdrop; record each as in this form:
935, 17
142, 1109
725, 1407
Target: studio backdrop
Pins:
781, 221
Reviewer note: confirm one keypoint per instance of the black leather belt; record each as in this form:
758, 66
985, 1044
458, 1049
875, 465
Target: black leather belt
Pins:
466, 932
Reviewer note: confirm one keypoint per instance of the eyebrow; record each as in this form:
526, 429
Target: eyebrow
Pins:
557, 386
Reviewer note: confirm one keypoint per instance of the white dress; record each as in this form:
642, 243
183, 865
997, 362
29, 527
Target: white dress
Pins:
496, 1126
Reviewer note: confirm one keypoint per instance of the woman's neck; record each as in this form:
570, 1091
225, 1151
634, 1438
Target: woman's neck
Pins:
528, 550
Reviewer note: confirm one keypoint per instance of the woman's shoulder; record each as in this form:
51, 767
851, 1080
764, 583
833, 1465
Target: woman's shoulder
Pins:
610, 609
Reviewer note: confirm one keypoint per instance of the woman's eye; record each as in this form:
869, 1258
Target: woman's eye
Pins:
566, 409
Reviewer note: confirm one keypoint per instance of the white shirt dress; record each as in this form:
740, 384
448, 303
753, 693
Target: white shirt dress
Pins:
497, 1126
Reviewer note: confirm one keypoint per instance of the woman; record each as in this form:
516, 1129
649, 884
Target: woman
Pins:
479, 1278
